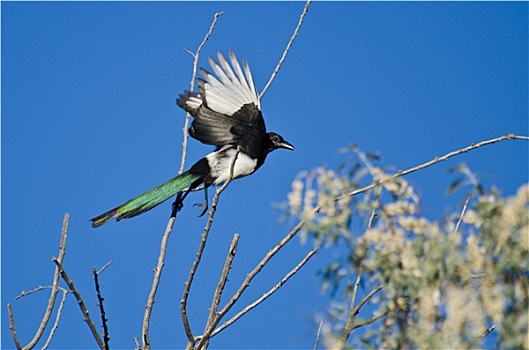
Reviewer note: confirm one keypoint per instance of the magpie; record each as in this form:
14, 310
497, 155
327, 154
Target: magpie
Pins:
227, 114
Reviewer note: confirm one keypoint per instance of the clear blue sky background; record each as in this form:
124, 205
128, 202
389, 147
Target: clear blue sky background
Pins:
89, 120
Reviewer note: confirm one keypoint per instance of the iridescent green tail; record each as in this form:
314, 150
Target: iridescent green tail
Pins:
148, 200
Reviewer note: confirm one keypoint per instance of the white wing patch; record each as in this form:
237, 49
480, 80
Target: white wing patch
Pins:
231, 88
194, 102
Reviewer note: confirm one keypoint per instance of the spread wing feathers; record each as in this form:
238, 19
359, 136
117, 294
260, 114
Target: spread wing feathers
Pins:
227, 107
231, 88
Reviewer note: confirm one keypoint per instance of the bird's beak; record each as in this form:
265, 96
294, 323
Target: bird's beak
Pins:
286, 145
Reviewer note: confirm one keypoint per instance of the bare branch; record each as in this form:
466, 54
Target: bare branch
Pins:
285, 52
350, 322
436, 160
462, 213
80, 301
196, 56
352, 309
370, 320
223, 278
263, 297
57, 317
53, 296
155, 283
104, 267
481, 337
12, 326
187, 285
318, 335
218, 292
100, 299
260, 265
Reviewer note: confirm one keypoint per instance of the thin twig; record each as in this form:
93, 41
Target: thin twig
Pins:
104, 267
285, 52
481, 337
436, 160
195, 56
218, 291
202, 245
84, 310
370, 320
462, 213
264, 296
155, 283
317, 340
223, 278
38, 289
100, 299
57, 318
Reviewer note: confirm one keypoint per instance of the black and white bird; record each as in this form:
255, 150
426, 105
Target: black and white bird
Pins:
227, 114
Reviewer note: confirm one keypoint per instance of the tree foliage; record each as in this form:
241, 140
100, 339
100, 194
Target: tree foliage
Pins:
444, 283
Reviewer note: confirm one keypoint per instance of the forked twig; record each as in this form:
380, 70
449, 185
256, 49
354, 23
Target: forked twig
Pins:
350, 323
53, 296
353, 311
84, 310
263, 297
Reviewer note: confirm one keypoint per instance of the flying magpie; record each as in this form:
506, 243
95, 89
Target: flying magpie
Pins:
227, 114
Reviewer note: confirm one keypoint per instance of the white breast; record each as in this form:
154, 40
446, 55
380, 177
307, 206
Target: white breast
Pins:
220, 163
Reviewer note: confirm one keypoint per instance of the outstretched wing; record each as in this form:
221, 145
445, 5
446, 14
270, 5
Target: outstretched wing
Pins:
227, 107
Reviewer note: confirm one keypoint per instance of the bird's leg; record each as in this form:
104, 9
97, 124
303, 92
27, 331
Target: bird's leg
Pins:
179, 202
203, 205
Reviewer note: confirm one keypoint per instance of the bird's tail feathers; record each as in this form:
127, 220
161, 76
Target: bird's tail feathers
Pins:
148, 200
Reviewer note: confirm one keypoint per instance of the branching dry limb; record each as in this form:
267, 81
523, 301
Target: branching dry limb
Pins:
354, 310
263, 297
53, 296
84, 310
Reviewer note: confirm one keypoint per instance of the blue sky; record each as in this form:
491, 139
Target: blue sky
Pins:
89, 120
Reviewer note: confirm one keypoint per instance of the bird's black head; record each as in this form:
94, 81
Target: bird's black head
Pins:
276, 141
